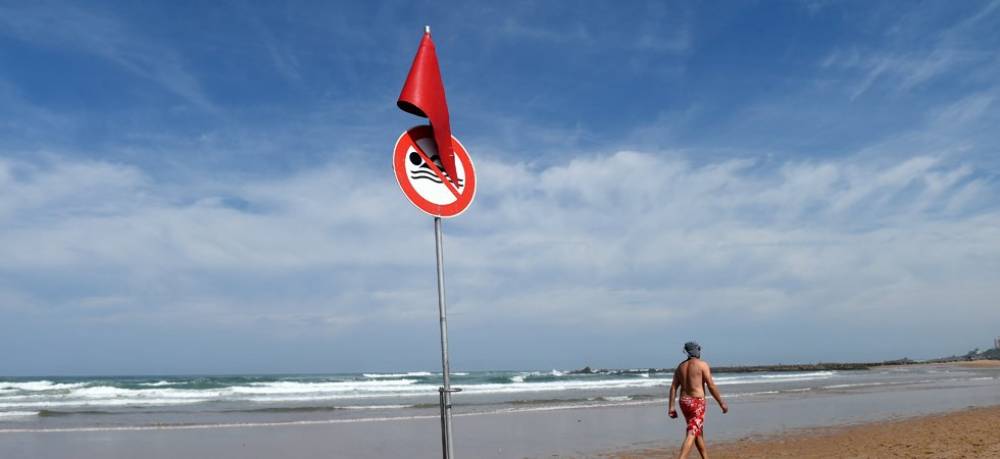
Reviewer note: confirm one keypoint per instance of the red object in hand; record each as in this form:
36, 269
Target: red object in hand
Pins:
423, 95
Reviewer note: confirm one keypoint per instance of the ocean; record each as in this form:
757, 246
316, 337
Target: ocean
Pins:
33, 404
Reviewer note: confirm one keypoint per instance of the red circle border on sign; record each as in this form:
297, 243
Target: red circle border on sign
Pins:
410, 137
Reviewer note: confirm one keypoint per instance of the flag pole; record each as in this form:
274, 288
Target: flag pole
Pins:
445, 391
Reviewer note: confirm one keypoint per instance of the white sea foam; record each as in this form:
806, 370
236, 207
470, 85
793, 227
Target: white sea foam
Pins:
158, 384
44, 394
278, 391
814, 374
751, 394
291, 391
411, 374
28, 397
773, 378
339, 387
845, 386
375, 407
108, 392
93, 396
428, 390
241, 425
36, 386
104, 402
549, 386
518, 383
17, 414
520, 378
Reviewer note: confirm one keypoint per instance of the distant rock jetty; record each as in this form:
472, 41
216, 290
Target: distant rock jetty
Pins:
975, 354
743, 369
991, 354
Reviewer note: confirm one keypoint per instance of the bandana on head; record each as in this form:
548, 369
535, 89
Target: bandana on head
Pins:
693, 349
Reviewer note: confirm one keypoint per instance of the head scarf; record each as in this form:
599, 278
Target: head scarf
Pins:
693, 349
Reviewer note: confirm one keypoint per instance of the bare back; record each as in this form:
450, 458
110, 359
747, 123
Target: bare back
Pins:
691, 374
693, 377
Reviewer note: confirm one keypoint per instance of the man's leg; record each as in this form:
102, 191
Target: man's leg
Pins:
686, 447
699, 441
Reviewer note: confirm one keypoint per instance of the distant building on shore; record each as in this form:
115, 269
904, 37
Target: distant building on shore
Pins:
996, 343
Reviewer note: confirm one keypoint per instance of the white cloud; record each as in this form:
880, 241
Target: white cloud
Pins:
912, 56
625, 240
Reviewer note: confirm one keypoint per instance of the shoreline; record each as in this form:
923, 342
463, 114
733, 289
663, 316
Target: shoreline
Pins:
969, 432
495, 426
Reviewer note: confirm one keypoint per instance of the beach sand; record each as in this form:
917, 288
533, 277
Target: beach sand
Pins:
972, 433
971, 364
978, 364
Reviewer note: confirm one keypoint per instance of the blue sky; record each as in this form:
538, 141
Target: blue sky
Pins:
193, 188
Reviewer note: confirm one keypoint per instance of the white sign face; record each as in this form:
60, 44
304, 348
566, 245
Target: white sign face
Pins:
425, 181
422, 178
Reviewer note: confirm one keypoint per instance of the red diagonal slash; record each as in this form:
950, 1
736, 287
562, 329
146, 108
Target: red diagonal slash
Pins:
445, 180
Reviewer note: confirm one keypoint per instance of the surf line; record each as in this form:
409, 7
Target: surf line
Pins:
240, 425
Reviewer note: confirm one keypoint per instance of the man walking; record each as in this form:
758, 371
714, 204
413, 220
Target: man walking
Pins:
692, 377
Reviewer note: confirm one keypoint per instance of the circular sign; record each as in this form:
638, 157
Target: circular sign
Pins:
423, 179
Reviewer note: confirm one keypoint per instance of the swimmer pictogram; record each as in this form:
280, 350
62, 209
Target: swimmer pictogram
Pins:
423, 169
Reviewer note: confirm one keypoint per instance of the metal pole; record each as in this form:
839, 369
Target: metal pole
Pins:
445, 392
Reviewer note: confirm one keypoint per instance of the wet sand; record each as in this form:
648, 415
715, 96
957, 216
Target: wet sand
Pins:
970, 433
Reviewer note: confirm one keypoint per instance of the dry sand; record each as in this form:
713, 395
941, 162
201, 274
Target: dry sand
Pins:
974, 433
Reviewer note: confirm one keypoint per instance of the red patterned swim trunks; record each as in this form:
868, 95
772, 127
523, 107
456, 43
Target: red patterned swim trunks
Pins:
694, 413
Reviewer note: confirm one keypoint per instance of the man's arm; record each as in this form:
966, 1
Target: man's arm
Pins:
674, 384
714, 390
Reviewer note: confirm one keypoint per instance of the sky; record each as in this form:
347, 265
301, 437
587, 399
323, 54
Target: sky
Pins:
192, 187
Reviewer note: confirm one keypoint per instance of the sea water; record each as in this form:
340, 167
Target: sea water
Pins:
139, 402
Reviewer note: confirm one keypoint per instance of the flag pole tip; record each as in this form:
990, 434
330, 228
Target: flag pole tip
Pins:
427, 29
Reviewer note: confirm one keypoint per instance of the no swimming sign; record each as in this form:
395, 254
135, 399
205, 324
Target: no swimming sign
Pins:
436, 175
423, 178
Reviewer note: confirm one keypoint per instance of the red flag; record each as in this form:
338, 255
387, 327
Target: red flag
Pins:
423, 95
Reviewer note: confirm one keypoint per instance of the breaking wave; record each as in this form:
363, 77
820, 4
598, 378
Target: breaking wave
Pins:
385, 389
